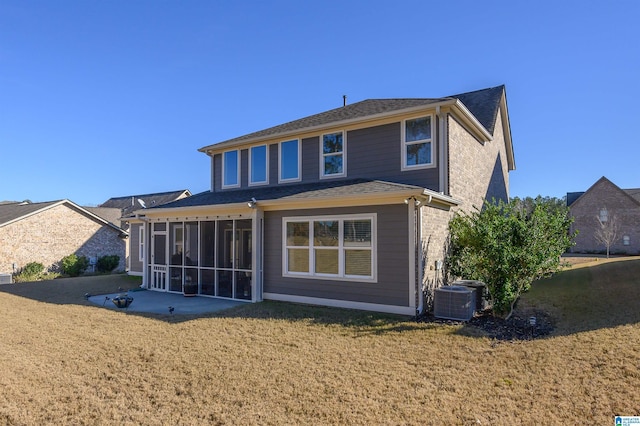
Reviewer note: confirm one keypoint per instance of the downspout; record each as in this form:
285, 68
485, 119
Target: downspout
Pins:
443, 153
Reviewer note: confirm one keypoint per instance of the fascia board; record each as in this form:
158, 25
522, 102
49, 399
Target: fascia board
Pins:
221, 146
469, 119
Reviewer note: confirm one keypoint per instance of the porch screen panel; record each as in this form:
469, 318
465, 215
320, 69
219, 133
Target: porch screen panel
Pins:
207, 243
191, 243
243, 244
176, 242
225, 244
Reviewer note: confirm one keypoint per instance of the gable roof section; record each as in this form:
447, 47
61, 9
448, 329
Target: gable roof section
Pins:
480, 106
632, 194
14, 212
129, 203
317, 191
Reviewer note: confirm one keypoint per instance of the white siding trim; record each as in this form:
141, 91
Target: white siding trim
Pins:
335, 303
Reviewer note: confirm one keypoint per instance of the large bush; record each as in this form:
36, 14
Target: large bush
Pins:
32, 271
508, 247
73, 265
107, 263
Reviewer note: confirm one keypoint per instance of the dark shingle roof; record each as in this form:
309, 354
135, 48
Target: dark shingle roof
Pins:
129, 203
483, 104
323, 189
12, 211
573, 196
635, 193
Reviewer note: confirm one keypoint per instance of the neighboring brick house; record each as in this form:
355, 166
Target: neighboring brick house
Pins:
347, 208
47, 232
606, 202
125, 207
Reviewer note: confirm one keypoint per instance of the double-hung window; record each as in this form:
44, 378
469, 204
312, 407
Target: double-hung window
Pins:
330, 247
332, 158
258, 165
417, 143
289, 161
231, 169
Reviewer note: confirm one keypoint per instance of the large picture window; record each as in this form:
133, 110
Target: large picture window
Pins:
332, 160
333, 247
258, 173
231, 169
289, 161
417, 143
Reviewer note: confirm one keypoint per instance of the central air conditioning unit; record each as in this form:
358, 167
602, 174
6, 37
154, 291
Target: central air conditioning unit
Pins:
454, 302
6, 279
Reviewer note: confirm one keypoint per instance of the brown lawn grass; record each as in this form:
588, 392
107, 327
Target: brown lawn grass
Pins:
65, 361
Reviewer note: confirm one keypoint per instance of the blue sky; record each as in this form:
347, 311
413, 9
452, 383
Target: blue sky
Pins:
109, 98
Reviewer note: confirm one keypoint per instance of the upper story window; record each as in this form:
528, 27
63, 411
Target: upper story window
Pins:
332, 159
230, 169
289, 161
417, 143
258, 165
604, 215
626, 240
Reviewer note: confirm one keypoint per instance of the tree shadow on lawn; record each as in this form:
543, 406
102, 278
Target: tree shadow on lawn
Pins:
591, 297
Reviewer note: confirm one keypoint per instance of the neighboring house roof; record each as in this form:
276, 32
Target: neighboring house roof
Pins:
110, 214
128, 204
310, 191
633, 194
482, 104
14, 212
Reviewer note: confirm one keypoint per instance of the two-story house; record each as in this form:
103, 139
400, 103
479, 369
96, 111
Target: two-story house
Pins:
346, 208
610, 211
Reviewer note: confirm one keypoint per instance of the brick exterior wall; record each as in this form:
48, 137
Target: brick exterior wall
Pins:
625, 210
476, 172
54, 233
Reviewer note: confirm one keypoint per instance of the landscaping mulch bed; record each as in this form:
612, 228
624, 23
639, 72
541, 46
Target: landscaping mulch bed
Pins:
518, 327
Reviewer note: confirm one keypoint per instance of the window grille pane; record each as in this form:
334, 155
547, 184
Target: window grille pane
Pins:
357, 233
298, 234
357, 262
332, 143
326, 233
418, 153
333, 164
418, 129
298, 260
326, 261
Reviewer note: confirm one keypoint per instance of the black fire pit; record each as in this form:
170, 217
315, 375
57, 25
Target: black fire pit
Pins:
122, 301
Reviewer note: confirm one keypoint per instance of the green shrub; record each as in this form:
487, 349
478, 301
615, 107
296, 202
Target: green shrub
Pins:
73, 265
107, 263
32, 271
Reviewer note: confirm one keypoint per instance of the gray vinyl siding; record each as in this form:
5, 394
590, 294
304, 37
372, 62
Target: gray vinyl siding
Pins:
134, 246
372, 153
376, 153
392, 286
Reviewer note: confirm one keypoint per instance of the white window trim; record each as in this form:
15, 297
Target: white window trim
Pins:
403, 144
141, 243
323, 175
299, 177
373, 278
236, 185
266, 166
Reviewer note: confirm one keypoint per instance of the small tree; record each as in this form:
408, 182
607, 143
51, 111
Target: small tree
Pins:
508, 247
606, 231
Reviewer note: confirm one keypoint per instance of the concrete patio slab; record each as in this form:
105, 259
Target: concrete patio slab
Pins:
156, 302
